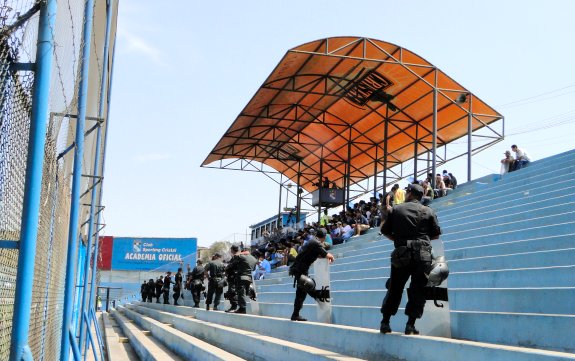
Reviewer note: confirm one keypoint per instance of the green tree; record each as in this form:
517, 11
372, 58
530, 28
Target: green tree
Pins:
221, 247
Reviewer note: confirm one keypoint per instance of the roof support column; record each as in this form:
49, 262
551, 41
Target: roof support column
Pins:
434, 135
320, 185
415, 146
279, 222
375, 174
385, 134
469, 131
298, 195
348, 172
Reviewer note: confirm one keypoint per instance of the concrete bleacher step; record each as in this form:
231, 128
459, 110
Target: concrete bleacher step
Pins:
365, 343
501, 194
147, 348
521, 300
116, 344
180, 343
514, 180
500, 217
508, 203
471, 239
249, 345
528, 244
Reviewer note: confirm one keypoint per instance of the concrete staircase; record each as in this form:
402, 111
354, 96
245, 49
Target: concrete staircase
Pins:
510, 245
196, 334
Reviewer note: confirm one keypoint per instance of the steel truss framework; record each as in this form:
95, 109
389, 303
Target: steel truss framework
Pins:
354, 110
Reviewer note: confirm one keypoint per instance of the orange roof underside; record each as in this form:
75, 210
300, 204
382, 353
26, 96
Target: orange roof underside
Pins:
316, 105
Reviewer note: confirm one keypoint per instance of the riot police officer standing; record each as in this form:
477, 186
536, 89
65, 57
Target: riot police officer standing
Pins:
299, 270
197, 282
215, 272
242, 264
411, 226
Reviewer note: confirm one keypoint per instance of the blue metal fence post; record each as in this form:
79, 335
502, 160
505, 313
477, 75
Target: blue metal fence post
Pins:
19, 349
104, 93
76, 183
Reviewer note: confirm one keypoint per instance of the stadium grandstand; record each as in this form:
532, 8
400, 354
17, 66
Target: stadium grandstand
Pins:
342, 119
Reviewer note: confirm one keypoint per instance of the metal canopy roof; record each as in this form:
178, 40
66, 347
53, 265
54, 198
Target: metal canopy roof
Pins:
323, 111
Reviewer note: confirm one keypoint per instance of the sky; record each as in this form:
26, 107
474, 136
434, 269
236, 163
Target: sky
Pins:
184, 70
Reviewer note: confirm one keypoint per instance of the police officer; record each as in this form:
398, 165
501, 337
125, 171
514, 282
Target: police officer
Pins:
243, 264
411, 226
144, 291
150, 289
215, 272
197, 282
231, 294
166, 287
307, 255
159, 286
179, 278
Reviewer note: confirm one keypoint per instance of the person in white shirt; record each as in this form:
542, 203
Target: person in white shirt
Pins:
521, 157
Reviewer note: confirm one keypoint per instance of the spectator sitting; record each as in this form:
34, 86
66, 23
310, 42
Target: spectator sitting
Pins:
263, 268
507, 163
328, 243
453, 181
427, 193
446, 179
439, 186
361, 224
521, 157
290, 254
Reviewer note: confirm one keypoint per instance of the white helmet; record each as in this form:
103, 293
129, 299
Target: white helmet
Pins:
438, 272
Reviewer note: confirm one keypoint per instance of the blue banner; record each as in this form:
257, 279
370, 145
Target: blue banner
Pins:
145, 254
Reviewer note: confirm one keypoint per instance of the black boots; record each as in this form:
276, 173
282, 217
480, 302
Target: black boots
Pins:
232, 309
207, 307
297, 318
241, 311
411, 330
384, 327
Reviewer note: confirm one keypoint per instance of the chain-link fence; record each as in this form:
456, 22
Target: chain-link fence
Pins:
19, 26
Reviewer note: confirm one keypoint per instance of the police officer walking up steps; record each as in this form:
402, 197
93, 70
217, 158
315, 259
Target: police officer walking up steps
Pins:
166, 287
216, 281
242, 264
300, 268
411, 226
231, 294
197, 279
178, 286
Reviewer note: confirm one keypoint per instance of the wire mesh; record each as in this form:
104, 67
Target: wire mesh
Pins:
18, 36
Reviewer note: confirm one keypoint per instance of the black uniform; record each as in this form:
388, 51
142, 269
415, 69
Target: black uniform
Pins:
216, 273
197, 283
177, 287
159, 286
150, 289
307, 255
242, 265
412, 226
166, 289
232, 294
144, 291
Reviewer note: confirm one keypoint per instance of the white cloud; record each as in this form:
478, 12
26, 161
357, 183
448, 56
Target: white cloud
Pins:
136, 44
152, 157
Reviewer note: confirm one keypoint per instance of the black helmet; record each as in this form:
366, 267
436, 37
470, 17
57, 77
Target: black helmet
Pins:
438, 272
306, 283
